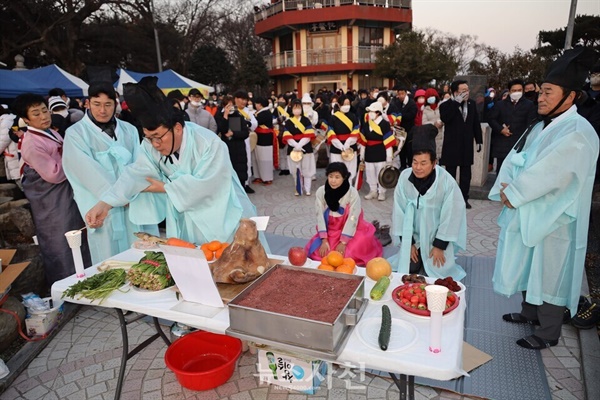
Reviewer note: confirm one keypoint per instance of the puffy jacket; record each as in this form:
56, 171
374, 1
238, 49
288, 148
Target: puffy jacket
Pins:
9, 148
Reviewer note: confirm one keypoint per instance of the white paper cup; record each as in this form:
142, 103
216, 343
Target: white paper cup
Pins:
35, 241
436, 297
74, 238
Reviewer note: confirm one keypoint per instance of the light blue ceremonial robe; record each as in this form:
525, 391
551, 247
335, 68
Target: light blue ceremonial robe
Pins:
440, 213
93, 162
543, 240
204, 199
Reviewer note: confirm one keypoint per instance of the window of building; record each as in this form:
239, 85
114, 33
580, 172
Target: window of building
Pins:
323, 49
370, 36
368, 81
286, 43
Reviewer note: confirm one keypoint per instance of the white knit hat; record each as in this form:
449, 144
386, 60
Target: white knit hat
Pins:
375, 106
306, 98
56, 101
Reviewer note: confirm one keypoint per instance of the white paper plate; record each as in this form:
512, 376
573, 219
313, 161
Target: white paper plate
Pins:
404, 334
146, 291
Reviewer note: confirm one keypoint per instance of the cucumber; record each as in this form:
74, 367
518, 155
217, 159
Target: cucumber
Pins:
386, 327
380, 287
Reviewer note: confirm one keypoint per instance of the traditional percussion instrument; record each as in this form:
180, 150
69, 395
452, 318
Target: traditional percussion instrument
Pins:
388, 177
320, 137
253, 140
296, 155
348, 154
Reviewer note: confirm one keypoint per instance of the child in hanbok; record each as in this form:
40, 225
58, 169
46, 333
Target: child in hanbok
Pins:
340, 222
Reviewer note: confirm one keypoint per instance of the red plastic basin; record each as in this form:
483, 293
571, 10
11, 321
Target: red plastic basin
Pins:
203, 360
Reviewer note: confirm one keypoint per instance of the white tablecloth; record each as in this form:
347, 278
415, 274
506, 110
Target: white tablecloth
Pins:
415, 360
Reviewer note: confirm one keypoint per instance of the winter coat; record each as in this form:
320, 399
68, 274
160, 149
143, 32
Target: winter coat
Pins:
516, 116
9, 148
459, 133
201, 117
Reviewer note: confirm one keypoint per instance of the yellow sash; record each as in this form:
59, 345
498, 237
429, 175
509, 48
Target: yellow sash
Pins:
282, 111
375, 128
246, 116
299, 125
342, 117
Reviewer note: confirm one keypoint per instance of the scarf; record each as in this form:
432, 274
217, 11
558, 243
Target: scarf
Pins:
333, 196
422, 184
106, 127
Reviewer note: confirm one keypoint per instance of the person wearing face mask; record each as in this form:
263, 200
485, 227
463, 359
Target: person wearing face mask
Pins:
281, 113
530, 92
61, 119
462, 127
73, 107
46, 187
376, 140
408, 109
262, 155
420, 100
389, 109
431, 115
297, 135
308, 111
509, 119
343, 134
197, 113
102, 146
590, 108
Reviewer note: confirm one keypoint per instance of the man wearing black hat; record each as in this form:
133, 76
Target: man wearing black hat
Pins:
545, 185
183, 175
429, 214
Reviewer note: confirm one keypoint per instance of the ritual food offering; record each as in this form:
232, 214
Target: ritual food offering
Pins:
151, 272
213, 250
244, 260
151, 242
297, 256
97, 287
378, 267
336, 262
413, 278
412, 298
380, 288
450, 283
385, 331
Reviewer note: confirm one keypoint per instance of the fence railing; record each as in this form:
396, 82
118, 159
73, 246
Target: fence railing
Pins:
338, 55
269, 10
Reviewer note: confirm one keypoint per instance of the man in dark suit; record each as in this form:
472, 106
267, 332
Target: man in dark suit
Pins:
462, 126
408, 110
509, 119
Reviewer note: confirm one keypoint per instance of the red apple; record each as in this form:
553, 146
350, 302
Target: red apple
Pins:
297, 256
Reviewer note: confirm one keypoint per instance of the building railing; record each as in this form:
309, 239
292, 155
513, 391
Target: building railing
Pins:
305, 58
268, 10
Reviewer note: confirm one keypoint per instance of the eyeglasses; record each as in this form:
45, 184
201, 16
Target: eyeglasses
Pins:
157, 140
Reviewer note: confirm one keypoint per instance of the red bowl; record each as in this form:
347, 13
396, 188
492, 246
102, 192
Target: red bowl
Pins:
416, 311
203, 360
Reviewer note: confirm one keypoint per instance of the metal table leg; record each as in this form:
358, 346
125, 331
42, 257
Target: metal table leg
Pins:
128, 354
406, 385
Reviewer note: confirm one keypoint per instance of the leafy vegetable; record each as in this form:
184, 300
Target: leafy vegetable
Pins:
97, 287
151, 272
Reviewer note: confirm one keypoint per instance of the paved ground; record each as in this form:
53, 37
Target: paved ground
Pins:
82, 360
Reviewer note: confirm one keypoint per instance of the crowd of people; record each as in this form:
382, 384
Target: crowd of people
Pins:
200, 155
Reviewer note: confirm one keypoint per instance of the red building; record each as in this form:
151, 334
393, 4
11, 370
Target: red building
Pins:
329, 43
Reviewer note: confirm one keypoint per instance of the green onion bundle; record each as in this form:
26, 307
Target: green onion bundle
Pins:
151, 272
97, 287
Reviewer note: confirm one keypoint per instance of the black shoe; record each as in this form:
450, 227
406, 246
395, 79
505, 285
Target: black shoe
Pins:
587, 318
248, 189
284, 172
583, 305
384, 235
468, 205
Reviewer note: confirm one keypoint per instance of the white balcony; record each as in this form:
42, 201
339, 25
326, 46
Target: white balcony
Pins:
308, 58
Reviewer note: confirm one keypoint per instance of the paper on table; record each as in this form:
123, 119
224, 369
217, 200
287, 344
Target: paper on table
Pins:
261, 222
191, 273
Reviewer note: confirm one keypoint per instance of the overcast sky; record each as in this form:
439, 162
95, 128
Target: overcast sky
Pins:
503, 24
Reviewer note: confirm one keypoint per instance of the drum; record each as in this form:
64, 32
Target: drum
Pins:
320, 137
388, 177
253, 140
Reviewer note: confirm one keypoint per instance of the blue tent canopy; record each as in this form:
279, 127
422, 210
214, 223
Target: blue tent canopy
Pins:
40, 81
167, 80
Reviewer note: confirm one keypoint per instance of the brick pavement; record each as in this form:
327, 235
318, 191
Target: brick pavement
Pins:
82, 361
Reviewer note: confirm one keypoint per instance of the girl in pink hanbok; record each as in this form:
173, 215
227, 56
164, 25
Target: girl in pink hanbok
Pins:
340, 222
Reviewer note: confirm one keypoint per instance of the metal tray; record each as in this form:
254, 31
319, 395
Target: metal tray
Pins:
300, 334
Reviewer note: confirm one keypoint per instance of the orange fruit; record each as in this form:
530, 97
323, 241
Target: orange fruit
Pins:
204, 246
224, 244
209, 255
378, 267
324, 260
345, 269
219, 252
335, 258
214, 245
350, 262
326, 267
